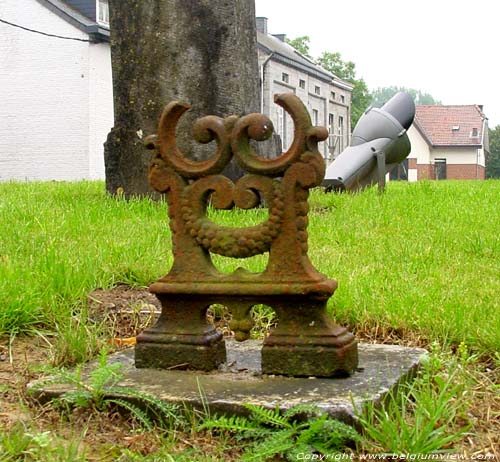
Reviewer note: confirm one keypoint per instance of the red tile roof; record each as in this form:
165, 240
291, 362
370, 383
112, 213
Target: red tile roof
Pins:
451, 125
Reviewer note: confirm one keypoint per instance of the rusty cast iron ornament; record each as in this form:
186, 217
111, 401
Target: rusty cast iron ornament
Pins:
306, 341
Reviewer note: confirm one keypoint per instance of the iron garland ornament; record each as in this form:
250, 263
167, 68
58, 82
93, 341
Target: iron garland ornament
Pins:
306, 341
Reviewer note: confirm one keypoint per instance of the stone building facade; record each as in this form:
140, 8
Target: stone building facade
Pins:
328, 98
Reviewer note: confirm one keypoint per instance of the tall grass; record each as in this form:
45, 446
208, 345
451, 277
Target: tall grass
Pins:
423, 256
60, 240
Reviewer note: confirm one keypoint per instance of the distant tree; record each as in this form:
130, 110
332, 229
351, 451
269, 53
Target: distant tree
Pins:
493, 160
346, 70
333, 62
383, 94
301, 44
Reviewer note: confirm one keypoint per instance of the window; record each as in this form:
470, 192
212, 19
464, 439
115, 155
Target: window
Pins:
302, 84
332, 95
342, 98
400, 172
281, 126
315, 117
332, 139
474, 133
341, 133
317, 90
285, 77
103, 12
440, 169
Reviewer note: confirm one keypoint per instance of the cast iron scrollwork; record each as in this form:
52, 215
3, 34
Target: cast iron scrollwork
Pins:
290, 283
233, 136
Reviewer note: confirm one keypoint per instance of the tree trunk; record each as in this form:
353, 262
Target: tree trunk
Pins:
203, 52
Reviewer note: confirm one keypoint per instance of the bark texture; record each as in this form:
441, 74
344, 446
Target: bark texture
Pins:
202, 52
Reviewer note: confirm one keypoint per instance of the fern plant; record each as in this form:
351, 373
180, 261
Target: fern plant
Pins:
100, 391
269, 433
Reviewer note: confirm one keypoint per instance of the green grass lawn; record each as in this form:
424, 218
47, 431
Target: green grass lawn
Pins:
423, 256
420, 261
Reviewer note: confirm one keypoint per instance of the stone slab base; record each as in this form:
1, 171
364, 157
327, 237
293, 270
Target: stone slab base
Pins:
240, 380
303, 360
179, 356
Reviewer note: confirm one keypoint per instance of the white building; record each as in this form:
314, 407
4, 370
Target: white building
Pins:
55, 90
328, 98
57, 97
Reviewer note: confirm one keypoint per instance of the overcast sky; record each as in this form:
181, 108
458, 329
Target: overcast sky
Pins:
448, 48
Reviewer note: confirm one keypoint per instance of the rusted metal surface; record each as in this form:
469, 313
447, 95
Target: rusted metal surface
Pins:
306, 341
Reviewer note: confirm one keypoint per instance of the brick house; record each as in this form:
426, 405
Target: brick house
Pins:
328, 98
448, 142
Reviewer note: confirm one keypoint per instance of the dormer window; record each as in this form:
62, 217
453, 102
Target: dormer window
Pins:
103, 12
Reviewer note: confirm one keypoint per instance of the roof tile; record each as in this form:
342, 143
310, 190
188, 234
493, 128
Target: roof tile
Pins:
437, 123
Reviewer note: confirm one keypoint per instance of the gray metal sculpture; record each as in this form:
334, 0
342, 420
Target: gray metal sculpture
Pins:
379, 143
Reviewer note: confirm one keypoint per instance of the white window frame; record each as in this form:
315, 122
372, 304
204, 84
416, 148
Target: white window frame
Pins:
315, 117
341, 131
281, 126
105, 11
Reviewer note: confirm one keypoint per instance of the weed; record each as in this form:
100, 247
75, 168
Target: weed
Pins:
265, 319
20, 445
77, 340
268, 433
99, 391
426, 416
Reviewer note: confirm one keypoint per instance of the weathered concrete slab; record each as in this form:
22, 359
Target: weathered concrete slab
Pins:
240, 381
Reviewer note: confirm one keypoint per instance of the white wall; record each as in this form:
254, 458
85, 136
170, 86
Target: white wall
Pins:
48, 112
420, 151
459, 156
100, 106
419, 147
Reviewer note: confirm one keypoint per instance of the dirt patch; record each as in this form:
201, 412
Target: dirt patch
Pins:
127, 311
20, 362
